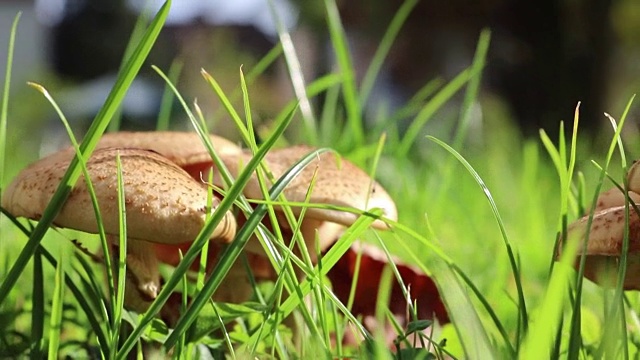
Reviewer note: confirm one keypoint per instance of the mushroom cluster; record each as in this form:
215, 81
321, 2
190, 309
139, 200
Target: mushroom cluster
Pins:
166, 207
606, 235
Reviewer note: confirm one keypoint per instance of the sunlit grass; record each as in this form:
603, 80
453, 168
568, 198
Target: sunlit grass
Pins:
481, 216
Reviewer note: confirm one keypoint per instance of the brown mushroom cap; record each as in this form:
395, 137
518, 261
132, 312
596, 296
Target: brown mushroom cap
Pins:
604, 245
337, 182
614, 197
633, 177
163, 203
181, 148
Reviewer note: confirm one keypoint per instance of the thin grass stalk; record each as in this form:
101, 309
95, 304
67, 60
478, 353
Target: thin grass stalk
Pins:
512, 260
345, 64
388, 39
118, 307
231, 253
263, 64
4, 108
471, 95
195, 248
295, 74
166, 102
96, 129
329, 116
247, 113
382, 307
37, 312
134, 38
55, 321
575, 339
429, 109
329, 260
413, 105
247, 131
90, 189
618, 302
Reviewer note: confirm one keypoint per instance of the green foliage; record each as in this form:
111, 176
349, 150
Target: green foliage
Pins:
505, 296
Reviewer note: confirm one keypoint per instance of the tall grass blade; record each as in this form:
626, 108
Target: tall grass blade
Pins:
166, 103
541, 340
37, 312
295, 74
232, 252
134, 38
349, 87
382, 51
471, 94
55, 324
4, 108
122, 257
96, 129
328, 261
524, 318
614, 319
473, 335
90, 188
226, 203
256, 71
430, 108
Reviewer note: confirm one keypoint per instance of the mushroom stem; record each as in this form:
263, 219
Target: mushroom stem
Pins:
142, 266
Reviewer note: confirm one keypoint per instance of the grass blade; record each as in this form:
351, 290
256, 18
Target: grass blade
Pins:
382, 51
471, 94
512, 259
193, 251
37, 312
295, 74
430, 108
55, 325
349, 87
122, 258
4, 108
233, 251
166, 103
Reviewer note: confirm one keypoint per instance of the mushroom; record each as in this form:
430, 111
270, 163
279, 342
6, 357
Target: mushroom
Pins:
338, 183
164, 205
606, 235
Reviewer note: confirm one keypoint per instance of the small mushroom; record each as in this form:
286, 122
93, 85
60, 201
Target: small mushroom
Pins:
163, 203
606, 235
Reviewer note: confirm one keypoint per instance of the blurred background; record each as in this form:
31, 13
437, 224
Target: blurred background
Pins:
544, 57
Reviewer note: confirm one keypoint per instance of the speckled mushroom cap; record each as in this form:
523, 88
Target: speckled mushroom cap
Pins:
606, 236
337, 182
163, 203
607, 231
179, 147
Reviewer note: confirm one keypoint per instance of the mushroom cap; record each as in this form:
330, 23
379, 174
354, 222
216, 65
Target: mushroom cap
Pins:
337, 182
163, 203
633, 177
614, 197
604, 245
182, 148
607, 231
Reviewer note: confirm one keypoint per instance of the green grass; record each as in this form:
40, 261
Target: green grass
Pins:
480, 215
